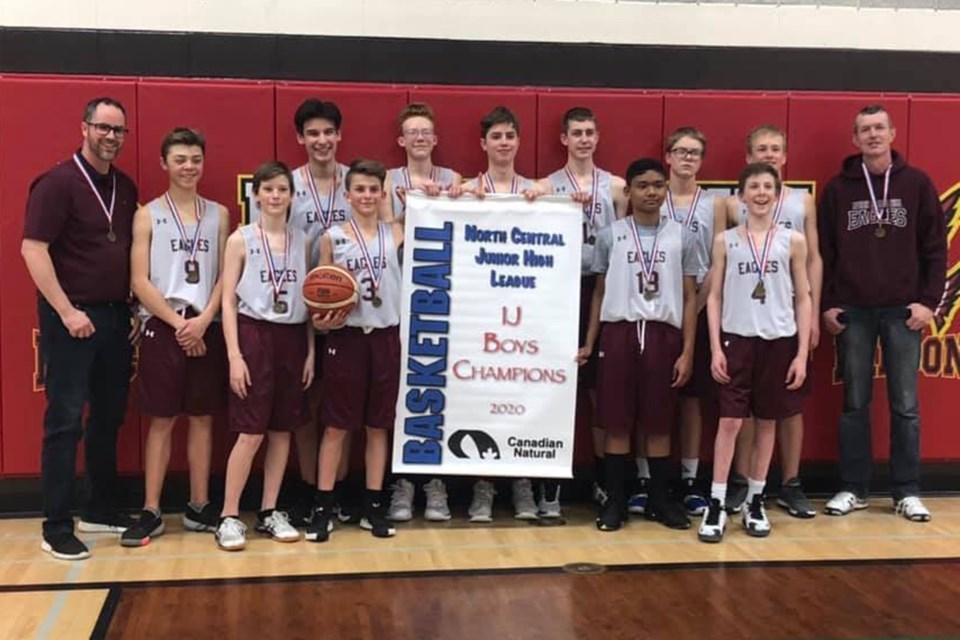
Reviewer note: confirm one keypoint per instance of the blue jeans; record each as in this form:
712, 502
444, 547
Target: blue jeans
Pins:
856, 346
77, 372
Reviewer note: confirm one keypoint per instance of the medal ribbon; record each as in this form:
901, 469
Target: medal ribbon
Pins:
671, 209
276, 279
760, 259
408, 181
182, 228
375, 271
113, 192
572, 179
647, 267
326, 216
778, 210
493, 188
873, 195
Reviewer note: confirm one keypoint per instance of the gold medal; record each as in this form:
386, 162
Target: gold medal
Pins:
760, 293
111, 236
280, 307
192, 268
881, 231
649, 294
377, 302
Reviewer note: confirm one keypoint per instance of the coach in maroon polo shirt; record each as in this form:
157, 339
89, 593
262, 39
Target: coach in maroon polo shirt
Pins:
76, 244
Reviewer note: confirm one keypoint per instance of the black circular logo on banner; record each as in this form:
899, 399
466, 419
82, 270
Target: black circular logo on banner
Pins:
483, 446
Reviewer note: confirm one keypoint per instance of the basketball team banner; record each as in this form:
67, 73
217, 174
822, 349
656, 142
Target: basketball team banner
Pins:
489, 324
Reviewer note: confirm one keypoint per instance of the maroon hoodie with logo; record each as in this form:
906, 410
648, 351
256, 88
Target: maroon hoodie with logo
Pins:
907, 265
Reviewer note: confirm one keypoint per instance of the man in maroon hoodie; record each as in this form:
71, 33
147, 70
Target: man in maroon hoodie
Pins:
883, 241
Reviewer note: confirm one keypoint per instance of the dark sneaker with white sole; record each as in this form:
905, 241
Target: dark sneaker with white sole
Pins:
148, 526
65, 546
794, 501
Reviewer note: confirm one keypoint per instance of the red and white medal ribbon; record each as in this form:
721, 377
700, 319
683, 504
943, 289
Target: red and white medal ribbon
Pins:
408, 181
373, 269
589, 209
877, 210
492, 188
276, 278
672, 210
647, 267
760, 258
778, 209
182, 227
326, 215
113, 192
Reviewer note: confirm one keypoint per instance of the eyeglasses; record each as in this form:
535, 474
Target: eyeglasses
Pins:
683, 152
416, 133
105, 129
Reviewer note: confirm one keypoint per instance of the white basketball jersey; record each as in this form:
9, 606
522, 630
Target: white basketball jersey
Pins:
519, 185
598, 214
315, 213
171, 255
745, 315
348, 254
399, 177
700, 225
616, 255
255, 292
792, 213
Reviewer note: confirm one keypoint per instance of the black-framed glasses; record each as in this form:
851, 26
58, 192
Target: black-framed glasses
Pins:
686, 152
105, 129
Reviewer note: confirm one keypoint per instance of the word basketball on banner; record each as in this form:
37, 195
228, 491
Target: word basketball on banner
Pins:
489, 322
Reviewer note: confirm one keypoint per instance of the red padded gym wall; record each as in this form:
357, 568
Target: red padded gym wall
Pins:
237, 119
458, 113
630, 126
932, 145
40, 126
819, 137
725, 119
368, 129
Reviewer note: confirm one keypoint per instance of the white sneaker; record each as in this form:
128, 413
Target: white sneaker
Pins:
912, 509
524, 506
843, 503
549, 508
437, 509
401, 501
714, 522
277, 526
231, 534
481, 507
755, 519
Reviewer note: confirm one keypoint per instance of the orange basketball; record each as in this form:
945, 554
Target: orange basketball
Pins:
330, 287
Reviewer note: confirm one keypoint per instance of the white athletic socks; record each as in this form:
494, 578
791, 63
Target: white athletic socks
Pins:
754, 487
688, 467
643, 468
718, 491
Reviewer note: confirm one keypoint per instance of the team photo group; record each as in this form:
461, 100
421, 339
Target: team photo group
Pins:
693, 303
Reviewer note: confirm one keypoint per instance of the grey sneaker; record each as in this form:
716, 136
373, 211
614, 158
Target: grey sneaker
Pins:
231, 534
736, 493
481, 507
524, 506
794, 500
844, 503
437, 509
277, 526
401, 501
549, 505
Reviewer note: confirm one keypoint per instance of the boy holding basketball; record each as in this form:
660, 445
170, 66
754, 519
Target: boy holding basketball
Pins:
176, 259
362, 357
270, 350
644, 312
759, 315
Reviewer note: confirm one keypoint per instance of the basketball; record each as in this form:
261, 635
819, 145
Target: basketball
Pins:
330, 287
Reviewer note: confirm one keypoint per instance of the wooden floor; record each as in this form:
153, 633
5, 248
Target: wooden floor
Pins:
868, 575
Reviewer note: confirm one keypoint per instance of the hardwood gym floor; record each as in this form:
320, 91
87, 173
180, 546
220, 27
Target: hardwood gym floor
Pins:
868, 575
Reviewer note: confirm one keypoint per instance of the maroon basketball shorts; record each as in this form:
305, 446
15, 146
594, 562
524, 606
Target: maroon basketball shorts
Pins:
361, 378
173, 384
587, 373
634, 374
274, 354
700, 384
758, 373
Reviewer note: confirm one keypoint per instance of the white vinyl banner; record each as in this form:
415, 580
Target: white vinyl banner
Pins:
489, 326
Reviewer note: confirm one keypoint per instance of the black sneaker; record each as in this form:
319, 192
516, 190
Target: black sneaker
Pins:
611, 516
148, 526
106, 522
736, 493
205, 519
301, 514
321, 524
375, 521
669, 513
794, 500
65, 546
349, 514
